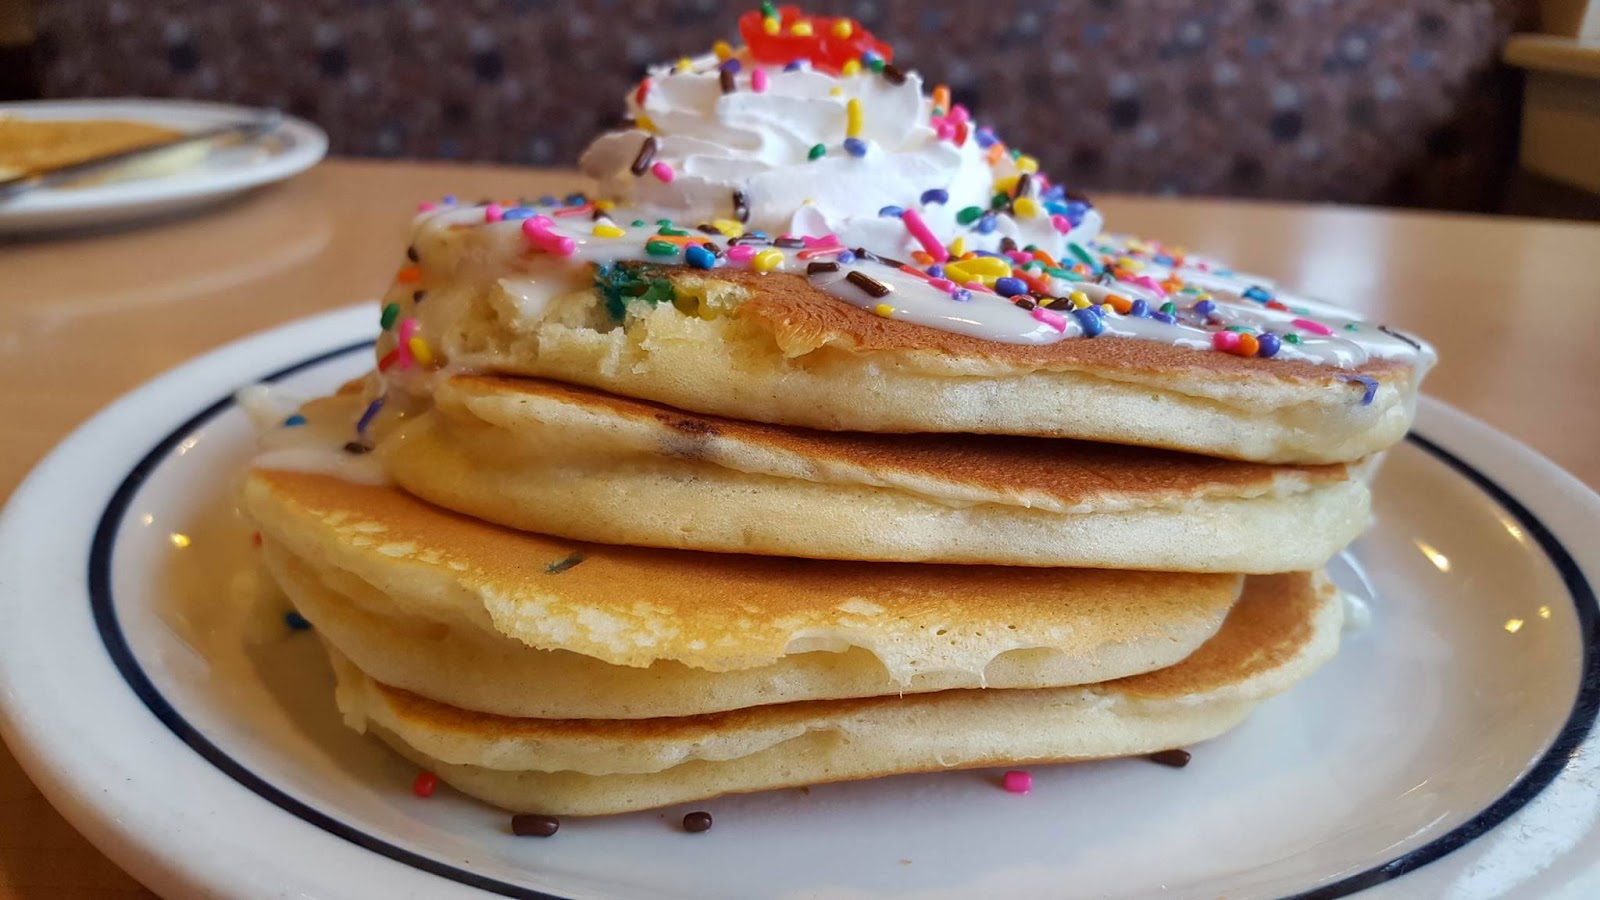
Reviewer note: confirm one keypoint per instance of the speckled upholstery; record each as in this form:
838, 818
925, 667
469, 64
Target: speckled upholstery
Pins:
1355, 100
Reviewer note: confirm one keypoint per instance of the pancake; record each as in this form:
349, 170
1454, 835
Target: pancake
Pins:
773, 348
433, 600
1283, 628
561, 460
28, 145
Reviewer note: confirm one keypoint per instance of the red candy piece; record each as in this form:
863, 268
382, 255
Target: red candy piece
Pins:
425, 783
826, 51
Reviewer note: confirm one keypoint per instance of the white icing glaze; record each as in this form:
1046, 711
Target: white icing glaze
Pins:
316, 444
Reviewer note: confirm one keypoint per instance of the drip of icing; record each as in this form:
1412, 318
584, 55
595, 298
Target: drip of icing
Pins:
312, 441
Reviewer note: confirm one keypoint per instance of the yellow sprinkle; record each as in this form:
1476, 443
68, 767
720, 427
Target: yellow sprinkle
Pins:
684, 64
723, 50
608, 231
1079, 299
1131, 264
1027, 164
884, 309
801, 29
605, 205
1027, 207
850, 67
1006, 185
767, 260
843, 28
643, 122
420, 351
770, 26
728, 227
852, 118
958, 246
835, 91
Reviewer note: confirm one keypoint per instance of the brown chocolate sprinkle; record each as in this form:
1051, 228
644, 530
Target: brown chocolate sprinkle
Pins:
1395, 334
1024, 302
864, 253
530, 825
647, 155
708, 228
1024, 183
893, 74
1007, 245
356, 448
872, 286
696, 822
1176, 759
788, 243
726, 77
563, 564
741, 205
821, 267
411, 254
418, 296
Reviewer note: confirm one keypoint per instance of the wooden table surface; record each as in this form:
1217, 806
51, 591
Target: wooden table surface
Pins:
1512, 304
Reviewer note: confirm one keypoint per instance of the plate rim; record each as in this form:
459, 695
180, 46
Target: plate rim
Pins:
311, 146
129, 840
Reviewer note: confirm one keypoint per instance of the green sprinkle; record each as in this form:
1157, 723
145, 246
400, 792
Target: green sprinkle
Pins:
669, 231
638, 223
663, 221
818, 151
563, 564
1291, 338
1239, 329
1351, 326
969, 215
1169, 308
1300, 311
1066, 275
1016, 153
1082, 254
1033, 266
769, 10
1000, 200
876, 65
390, 313
661, 248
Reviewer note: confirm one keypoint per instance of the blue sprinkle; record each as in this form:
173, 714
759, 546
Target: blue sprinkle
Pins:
295, 621
1099, 309
1010, 287
1366, 382
730, 66
936, 271
868, 57
1076, 211
1268, 344
699, 257
1140, 309
855, 147
294, 421
1205, 308
368, 416
985, 137
1162, 259
935, 195
961, 295
1088, 321
1164, 317
891, 211
989, 253
758, 234
1222, 273
547, 200
845, 258
1054, 208
1057, 193
985, 224
519, 212
1257, 293
449, 199
794, 66
576, 199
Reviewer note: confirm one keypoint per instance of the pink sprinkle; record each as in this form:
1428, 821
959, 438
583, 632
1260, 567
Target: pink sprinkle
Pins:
826, 242
959, 114
977, 286
1313, 327
1225, 340
943, 284
1145, 281
1017, 781
741, 253
944, 129
569, 211
1020, 257
408, 328
537, 230
664, 172
494, 212
758, 80
427, 207
1058, 322
1060, 223
919, 230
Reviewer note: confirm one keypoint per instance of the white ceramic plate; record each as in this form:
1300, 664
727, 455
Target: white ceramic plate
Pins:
295, 146
1447, 751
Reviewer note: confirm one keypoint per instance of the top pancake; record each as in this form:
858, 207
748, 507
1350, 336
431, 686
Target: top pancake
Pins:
718, 612
773, 348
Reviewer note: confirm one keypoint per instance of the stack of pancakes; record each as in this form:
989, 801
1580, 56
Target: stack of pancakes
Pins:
565, 597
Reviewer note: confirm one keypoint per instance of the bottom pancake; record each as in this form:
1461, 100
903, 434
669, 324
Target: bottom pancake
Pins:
1282, 629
